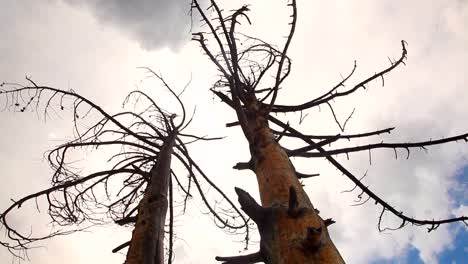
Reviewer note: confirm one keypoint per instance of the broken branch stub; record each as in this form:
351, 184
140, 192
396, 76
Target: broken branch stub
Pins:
287, 232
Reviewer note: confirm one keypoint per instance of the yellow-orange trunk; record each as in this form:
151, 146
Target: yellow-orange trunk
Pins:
275, 175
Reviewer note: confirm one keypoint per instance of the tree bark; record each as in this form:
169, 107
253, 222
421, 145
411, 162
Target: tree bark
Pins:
291, 229
147, 244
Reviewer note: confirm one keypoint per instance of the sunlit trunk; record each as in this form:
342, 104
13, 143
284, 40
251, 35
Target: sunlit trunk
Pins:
147, 244
301, 237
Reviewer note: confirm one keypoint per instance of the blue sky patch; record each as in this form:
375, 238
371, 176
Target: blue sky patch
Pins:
459, 193
458, 254
411, 257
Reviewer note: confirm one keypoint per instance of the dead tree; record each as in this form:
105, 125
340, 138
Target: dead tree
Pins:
252, 72
149, 138
251, 76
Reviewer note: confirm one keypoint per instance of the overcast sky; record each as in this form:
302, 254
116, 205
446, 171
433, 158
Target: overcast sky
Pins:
95, 47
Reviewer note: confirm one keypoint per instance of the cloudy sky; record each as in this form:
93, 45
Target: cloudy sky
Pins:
95, 47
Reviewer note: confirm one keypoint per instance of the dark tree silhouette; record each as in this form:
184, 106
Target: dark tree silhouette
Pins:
251, 74
138, 187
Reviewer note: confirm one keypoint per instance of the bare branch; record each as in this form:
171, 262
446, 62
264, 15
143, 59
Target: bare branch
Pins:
332, 94
384, 145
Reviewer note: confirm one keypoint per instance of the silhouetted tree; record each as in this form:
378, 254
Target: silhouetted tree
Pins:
138, 188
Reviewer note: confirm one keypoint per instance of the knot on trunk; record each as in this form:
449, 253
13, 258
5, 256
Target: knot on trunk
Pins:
313, 240
286, 232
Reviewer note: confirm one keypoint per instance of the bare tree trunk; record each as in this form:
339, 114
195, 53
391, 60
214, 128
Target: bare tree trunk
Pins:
291, 230
147, 244
297, 234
